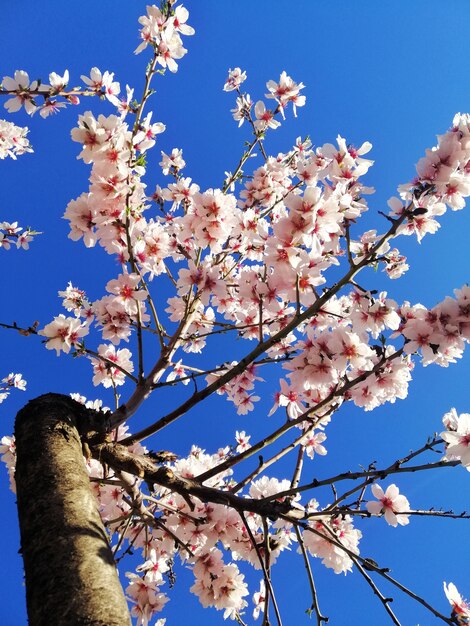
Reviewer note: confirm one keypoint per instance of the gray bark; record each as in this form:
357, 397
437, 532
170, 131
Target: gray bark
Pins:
71, 578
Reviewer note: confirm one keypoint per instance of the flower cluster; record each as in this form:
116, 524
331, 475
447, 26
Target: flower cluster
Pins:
12, 381
103, 84
443, 180
12, 234
26, 94
112, 365
75, 300
13, 140
238, 390
162, 30
283, 92
48, 98
323, 537
209, 221
440, 333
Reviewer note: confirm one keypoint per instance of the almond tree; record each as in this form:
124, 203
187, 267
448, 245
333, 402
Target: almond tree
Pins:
276, 257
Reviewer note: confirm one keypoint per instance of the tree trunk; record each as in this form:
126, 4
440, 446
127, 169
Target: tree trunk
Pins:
71, 578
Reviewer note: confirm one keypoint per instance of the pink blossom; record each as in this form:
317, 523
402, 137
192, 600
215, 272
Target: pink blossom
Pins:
21, 86
457, 437
63, 333
313, 444
319, 543
154, 567
180, 17
264, 118
103, 371
144, 139
285, 91
75, 300
178, 372
102, 83
460, 607
13, 141
242, 110
173, 162
242, 440
235, 78
15, 380
126, 290
8, 456
391, 504
259, 600
289, 398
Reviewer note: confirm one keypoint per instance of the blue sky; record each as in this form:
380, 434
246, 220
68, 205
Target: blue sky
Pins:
390, 73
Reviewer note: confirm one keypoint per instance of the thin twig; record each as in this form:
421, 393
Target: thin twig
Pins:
315, 605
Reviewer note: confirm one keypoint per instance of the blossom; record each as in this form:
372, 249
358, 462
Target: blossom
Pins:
265, 487
50, 107
81, 214
58, 83
170, 47
242, 440
96, 405
259, 600
15, 380
91, 133
24, 239
113, 317
178, 372
13, 141
126, 289
75, 300
224, 591
182, 190
162, 32
174, 161
123, 104
235, 78
21, 86
313, 444
102, 83
460, 607
285, 91
63, 333
103, 371
154, 567
288, 397
317, 540
12, 381
145, 138
457, 437
180, 17
242, 110
8, 456
264, 117
12, 232
210, 219
146, 598
391, 504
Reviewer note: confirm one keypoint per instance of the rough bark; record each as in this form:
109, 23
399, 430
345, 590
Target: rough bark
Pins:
71, 578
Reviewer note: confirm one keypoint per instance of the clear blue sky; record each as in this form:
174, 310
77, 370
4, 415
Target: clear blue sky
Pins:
392, 73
